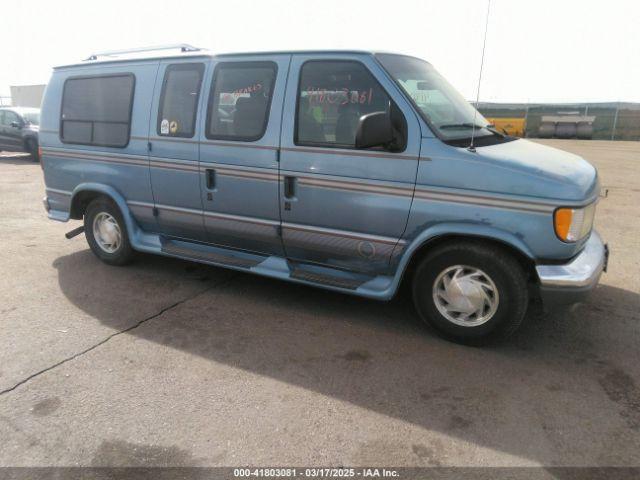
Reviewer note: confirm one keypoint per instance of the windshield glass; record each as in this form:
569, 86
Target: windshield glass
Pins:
439, 103
32, 117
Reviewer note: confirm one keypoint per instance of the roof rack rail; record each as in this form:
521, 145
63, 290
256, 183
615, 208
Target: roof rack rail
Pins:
184, 47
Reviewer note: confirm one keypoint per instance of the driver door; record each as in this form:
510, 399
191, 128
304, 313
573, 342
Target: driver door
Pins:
10, 135
342, 207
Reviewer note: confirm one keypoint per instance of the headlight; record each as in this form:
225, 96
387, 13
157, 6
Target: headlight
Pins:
573, 224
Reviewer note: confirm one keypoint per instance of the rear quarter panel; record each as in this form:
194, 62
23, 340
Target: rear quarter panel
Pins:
66, 166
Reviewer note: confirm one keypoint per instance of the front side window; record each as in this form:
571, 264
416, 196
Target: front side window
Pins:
332, 96
97, 110
179, 100
438, 102
240, 99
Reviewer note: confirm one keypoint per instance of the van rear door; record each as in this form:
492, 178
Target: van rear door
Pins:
174, 150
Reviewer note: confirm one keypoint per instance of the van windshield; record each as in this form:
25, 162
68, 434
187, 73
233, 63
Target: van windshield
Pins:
442, 107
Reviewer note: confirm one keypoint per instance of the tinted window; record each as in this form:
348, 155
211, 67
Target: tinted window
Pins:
240, 99
179, 100
332, 96
97, 110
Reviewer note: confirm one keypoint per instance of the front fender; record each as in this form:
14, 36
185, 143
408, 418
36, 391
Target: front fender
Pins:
29, 136
456, 229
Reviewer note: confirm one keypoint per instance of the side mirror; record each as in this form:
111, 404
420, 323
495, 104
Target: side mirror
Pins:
15, 124
374, 130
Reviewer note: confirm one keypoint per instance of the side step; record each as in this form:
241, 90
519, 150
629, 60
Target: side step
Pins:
348, 282
365, 285
201, 253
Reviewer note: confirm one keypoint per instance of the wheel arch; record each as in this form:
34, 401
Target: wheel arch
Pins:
85, 193
428, 241
29, 138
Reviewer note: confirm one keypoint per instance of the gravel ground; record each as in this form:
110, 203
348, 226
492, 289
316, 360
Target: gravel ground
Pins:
172, 363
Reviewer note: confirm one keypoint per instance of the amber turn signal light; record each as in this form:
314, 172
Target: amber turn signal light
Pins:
562, 223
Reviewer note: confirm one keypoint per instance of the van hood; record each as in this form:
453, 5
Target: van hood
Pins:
522, 167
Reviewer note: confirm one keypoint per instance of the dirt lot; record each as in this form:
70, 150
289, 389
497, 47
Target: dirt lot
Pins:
172, 363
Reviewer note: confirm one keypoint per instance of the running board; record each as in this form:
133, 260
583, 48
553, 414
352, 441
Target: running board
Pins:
347, 281
366, 285
207, 254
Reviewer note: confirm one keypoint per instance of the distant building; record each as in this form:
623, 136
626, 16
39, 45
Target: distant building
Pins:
27, 95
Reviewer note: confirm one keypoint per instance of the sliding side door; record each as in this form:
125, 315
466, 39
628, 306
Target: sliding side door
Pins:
173, 137
239, 152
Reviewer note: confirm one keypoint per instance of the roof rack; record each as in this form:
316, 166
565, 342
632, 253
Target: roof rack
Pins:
184, 47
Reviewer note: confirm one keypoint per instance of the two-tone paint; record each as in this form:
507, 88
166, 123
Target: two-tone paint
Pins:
357, 218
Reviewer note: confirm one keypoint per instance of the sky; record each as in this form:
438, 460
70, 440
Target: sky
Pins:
536, 51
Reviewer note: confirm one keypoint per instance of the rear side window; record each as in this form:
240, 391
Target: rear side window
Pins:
240, 99
97, 110
179, 100
332, 96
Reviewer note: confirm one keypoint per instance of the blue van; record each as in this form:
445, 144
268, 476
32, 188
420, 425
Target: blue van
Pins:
347, 170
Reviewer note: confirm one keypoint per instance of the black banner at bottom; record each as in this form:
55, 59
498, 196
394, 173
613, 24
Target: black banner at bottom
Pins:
332, 473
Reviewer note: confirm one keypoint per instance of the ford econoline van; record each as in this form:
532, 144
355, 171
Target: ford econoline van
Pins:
347, 170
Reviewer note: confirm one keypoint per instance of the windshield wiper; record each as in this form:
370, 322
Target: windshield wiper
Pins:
460, 125
492, 128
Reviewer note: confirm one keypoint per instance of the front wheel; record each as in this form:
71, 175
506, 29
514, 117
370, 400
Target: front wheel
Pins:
106, 232
31, 146
471, 293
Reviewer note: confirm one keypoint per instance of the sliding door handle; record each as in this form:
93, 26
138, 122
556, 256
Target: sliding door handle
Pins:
211, 178
289, 187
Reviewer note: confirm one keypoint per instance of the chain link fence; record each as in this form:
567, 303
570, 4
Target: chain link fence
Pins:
597, 121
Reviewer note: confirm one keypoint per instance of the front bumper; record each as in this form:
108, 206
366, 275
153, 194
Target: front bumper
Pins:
569, 283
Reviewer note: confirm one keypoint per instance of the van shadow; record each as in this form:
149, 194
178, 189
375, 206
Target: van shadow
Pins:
525, 397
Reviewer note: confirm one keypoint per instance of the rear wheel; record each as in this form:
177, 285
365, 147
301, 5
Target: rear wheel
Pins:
470, 292
106, 232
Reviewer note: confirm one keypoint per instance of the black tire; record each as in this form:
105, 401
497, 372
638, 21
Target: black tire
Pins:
31, 146
124, 252
502, 269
